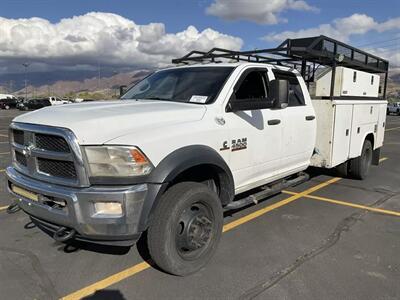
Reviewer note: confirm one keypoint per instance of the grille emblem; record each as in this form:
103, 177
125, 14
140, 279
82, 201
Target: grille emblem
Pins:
27, 151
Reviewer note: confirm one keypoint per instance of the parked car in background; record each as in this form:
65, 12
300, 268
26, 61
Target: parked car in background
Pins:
33, 104
20, 103
7, 96
79, 100
8, 103
393, 108
58, 101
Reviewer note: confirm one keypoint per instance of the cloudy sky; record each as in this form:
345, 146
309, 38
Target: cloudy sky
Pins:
124, 34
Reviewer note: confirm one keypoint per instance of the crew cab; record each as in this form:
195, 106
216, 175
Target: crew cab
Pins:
189, 142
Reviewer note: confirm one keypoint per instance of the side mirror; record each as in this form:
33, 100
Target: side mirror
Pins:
280, 93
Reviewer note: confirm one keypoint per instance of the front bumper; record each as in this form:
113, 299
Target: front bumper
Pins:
79, 213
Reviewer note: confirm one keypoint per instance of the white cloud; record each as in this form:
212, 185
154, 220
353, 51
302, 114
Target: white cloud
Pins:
341, 29
259, 11
391, 54
390, 24
101, 38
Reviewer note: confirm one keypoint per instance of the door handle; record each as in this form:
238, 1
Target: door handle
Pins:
274, 122
310, 118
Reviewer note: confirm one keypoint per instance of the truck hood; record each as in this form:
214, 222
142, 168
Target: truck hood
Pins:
99, 122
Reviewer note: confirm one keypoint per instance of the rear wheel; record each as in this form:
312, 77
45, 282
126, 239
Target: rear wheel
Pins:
342, 169
359, 167
185, 228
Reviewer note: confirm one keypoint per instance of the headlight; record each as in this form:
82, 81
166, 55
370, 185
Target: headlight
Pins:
117, 161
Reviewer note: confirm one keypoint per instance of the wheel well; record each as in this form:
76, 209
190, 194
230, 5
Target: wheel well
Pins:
370, 137
211, 175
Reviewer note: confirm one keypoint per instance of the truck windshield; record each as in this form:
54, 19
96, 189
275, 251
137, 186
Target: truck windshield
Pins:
191, 85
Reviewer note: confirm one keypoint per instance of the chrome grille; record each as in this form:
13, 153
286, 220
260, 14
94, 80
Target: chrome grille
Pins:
51, 143
48, 153
58, 168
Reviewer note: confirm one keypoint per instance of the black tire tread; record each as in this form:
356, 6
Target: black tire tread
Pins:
156, 236
356, 165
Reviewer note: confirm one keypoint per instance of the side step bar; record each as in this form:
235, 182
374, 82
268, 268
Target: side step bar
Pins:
267, 191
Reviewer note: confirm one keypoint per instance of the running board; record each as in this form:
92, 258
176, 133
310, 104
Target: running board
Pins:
267, 191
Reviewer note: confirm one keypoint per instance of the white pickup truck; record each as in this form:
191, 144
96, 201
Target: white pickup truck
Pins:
183, 145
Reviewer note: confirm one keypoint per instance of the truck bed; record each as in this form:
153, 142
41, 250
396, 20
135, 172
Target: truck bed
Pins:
343, 125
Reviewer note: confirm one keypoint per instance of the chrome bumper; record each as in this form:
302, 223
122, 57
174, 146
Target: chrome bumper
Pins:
79, 213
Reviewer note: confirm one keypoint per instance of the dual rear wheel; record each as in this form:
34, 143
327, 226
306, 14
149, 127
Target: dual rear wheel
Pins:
358, 167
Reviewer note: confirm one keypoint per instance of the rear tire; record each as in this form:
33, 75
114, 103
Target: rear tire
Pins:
342, 169
359, 167
185, 228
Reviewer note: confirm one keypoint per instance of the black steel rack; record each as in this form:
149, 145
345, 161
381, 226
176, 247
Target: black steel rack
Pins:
303, 54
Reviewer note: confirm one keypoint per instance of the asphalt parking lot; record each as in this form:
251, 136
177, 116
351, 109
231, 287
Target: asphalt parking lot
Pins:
329, 238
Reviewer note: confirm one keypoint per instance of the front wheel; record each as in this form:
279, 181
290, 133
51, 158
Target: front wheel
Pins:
359, 166
185, 228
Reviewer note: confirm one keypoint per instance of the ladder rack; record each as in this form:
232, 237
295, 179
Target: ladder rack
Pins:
303, 54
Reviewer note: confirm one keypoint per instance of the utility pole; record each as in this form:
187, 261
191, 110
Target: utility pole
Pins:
99, 76
26, 65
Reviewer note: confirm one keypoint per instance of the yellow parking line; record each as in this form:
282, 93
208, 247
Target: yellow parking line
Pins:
264, 210
379, 210
113, 279
4, 135
4, 153
3, 208
383, 159
2, 170
394, 128
106, 282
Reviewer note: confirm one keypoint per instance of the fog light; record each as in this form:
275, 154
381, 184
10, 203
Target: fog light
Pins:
108, 208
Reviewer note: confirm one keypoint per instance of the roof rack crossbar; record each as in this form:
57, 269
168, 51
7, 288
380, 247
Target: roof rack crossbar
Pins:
320, 50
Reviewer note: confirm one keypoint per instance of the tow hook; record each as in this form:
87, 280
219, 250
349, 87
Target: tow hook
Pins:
62, 235
13, 208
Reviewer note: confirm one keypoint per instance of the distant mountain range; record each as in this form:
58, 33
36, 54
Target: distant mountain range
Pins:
76, 84
69, 83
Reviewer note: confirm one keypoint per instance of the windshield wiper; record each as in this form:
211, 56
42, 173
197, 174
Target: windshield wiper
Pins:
155, 98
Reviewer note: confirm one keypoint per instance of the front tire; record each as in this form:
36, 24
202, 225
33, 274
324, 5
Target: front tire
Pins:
359, 167
185, 228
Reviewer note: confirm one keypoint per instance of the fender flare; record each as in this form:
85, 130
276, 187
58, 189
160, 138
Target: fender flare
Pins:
177, 162
365, 138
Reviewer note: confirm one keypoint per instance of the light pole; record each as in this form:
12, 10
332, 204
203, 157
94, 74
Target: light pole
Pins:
26, 65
